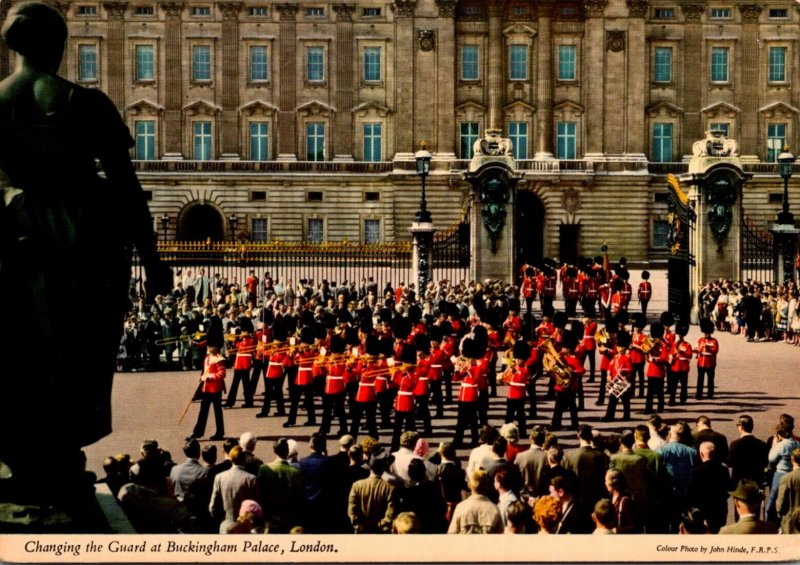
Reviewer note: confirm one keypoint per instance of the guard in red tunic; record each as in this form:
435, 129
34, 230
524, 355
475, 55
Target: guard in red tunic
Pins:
533, 364
566, 391
550, 283
481, 340
366, 401
279, 361
645, 292
304, 379
657, 361
467, 374
589, 344
626, 292
606, 350
513, 323
438, 361
333, 396
213, 383
591, 292
263, 337
528, 287
517, 377
707, 350
384, 386
422, 388
244, 349
404, 408
572, 290
450, 348
619, 373
637, 354
680, 356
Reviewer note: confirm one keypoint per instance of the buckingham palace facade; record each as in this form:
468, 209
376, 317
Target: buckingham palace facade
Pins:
298, 120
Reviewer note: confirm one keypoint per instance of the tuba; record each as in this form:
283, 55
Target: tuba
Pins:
647, 344
601, 337
555, 366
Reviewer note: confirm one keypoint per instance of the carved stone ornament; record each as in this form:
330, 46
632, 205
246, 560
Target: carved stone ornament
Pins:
287, 11
595, 8
493, 144
716, 144
693, 12
115, 10
494, 196
344, 12
720, 198
750, 13
230, 10
638, 8
571, 200
615, 40
404, 8
172, 9
426, 39
447, 8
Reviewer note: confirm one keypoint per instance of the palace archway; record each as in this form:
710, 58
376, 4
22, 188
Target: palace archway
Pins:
200, 222
529, 230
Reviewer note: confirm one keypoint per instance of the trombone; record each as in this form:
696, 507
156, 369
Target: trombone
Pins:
389, 370
174, 340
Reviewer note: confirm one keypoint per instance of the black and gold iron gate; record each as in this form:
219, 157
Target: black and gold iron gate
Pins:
758, 254
451, 250
682, 220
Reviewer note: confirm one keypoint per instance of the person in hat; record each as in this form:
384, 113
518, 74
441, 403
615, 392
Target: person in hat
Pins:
549, 282
517, 378
385, 388
303, 379
707, 350
279, 362
404, 403
747, 502
212, 385
680, 356
366, 400
422, 390
570, 287
373, 502
243, 349
528, 286
626, 292
606, 348
637, 354
657, 362
334, 394
438, 360
645, 292
589, 344
620, 371
467, 374
567, 389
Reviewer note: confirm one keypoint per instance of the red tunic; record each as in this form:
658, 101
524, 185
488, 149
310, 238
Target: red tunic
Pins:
516, 386
469, 384
334, 381
645, 291
404, 401
707, 349
277, 362
244, 353
213, 374
636, 353
620, 366
606, 353
577, 369
305, 361
658, 359
681, 355
439, 360
366, 385
589, 344
545, 330
421, 376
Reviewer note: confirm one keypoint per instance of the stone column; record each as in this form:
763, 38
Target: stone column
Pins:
346, 83
544, 83
748, 93
592, 73
636, 135
404, 49
496, 65
173, 87
446, 68
693, 86
422, 254
229, 120
287, 97
116, 53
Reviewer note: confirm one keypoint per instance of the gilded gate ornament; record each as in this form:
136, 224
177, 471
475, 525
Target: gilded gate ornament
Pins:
720, 198
494, 196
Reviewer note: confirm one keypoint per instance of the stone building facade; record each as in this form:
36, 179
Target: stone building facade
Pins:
298, 119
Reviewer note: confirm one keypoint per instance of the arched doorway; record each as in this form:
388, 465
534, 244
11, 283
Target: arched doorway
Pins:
529, 229
201, 222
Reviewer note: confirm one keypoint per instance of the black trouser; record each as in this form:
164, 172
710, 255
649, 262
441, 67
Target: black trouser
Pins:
565, 400
258, 370
467, 417
295, 393
655, 389
447, 377
423, 413
529, 304
638, 369
581, 400
515, 408
626, 405
531, 389
385, 402
368, 409
674, 379
591, 357
206, 399
483, 407
436, 396
601, 396
492, 375
644, 306
702, 372
239, 376
351, 389
274, 391
333, 405
570, 305
403, 421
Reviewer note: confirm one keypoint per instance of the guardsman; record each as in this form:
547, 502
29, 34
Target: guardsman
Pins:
657, 362
606, 349
513, 323
279, 361
591, 293
645, 292
667, 320
619, 373
243, 349
366, 401
589, 344
481, 340
404, 409
516, 377
707, 350
576, 327
304, 379
333, 396
450, 349
212, 384
566, 391
438, 361
422, 387
384, 385
263, 337
467, 374
572, 290
549, 291
528, 287
353, 342
545, 328
679, 359
637, 354
626, 291
534, 366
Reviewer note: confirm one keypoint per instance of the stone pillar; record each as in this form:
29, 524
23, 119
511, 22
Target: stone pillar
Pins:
63, 8
748, 93
446, 68
229, 119
422, 255
173, 87
592, 73
638, 83
404, 51
425, 97
544, 82
346, 81
692, 87
785, 245
496, 65
287, 97
116, 53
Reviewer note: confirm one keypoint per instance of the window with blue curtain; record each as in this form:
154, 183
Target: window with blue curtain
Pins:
315, 141
372, 231
776, 139
662, 143
566, 62
719, 64
469, 135
777, 64
372, 64
566, 140
145, 139
259, 63
662, 68
202, 141
145, 62
518, 134
315, 64
259, 141
372, 141
469, 62
316, 230
201, 62
87, 63
518, 62
258, 229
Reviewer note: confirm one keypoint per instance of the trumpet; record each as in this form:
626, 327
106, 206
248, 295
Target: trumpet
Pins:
461, 364
554, 365
601, 337
196, 336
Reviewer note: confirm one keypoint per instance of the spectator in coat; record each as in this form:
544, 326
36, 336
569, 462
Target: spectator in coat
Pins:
708, 488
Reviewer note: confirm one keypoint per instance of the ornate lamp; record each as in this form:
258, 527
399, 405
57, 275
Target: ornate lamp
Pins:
423, 158
785, 163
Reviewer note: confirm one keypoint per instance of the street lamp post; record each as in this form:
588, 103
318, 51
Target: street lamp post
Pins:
423, 158
784, 232
422, 229
233, 220
165, 224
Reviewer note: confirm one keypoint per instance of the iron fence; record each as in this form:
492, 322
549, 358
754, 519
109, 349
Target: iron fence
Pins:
758, 254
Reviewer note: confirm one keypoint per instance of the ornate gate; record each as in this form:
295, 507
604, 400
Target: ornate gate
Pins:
758, 254
682, 219
451, 253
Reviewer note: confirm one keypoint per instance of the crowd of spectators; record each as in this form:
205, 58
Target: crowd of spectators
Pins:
650, 478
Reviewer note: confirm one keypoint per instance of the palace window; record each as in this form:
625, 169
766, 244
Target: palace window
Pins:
469, 135
144, 11
469, 62
259, 141
720, 126
145, 140
315, 230
315, 64
372, 141
719, 64
258, 229
201, 63
778, 13
518, 62
662, 66
372, 231
201, 11
720, 14
259, 63
777, 64
145, 63
372, 64
776, 139
315, 12
371, 12
662, 143
663, 14
86, 10
315, 141
201, 136
518, 134
566, 140
660, 234
87, 63
258, 11
566, 62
